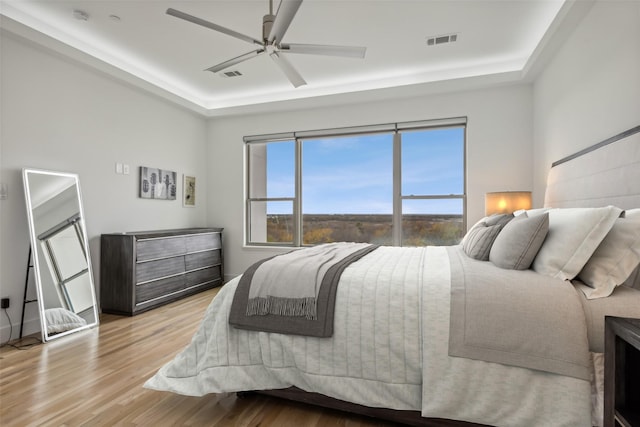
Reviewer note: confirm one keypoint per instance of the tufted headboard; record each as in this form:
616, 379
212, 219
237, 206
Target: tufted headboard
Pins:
607, 173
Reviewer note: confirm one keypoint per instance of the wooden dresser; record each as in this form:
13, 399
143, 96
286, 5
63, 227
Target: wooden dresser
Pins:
143, 270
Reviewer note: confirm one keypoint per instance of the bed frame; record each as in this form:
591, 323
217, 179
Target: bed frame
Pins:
600, 175
411, 418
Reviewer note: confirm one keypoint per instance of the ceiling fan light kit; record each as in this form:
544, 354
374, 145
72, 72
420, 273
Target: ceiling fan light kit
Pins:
274, 28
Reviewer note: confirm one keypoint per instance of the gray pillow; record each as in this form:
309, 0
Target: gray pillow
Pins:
498, 219
519, 242
495, 219
477, 243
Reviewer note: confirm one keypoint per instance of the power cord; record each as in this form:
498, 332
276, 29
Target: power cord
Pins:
10, 329
21, 346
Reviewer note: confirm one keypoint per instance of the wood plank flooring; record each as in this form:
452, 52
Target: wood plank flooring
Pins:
95, 378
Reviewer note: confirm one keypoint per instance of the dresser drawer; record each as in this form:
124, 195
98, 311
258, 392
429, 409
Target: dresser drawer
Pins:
160, 268
147, 249
203, 242
159, 288
205, 275
202, 259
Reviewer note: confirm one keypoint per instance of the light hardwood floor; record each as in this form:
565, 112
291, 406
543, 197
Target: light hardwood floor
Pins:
95, 378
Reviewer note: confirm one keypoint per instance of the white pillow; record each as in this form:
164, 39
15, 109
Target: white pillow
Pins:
61, 320
574, 234
615, 259
531, 212
631, 214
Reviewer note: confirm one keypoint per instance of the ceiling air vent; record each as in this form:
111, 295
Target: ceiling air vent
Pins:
231, 74
447, 38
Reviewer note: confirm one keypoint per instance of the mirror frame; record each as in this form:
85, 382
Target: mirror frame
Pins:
36, 262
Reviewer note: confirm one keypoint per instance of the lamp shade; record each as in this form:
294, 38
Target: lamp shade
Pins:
506, 201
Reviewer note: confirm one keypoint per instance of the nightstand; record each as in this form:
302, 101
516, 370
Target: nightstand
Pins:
622, 372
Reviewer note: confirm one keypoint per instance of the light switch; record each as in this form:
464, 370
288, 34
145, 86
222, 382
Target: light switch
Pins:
118, 167
125, 169
4, 191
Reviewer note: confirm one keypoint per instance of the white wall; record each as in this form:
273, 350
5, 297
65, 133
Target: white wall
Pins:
499, 149
59, 115
591, 88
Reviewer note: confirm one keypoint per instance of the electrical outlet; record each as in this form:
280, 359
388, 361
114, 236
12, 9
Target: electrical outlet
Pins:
4, 303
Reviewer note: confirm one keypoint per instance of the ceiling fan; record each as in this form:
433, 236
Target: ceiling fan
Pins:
274, 28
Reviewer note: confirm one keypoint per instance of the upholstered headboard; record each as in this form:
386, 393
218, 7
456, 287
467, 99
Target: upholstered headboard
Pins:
607, 173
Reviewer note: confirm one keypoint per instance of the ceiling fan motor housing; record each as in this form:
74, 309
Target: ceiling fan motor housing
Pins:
267, 23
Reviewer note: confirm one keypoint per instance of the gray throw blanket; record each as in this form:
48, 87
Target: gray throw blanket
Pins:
294, 293
518, 318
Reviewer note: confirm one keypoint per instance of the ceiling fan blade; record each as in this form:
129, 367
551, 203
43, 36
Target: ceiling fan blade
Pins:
320, 49
211, 25
234, 61
294, 77
286, 11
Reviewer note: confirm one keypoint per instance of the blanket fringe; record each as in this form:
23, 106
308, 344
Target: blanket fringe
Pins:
294, 307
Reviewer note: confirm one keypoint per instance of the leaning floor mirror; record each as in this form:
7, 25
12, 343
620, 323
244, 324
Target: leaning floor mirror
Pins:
60, 253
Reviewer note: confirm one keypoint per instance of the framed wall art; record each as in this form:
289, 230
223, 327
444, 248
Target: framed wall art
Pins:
157, 183
188, 191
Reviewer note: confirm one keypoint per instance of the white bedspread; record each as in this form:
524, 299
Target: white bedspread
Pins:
389, 349
483, 392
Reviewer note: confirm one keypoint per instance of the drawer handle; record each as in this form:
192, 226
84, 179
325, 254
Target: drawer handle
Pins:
176, 236
176, 255
160, 278
203, 268
176, 292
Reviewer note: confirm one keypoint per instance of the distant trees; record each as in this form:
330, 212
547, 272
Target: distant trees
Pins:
420, 231
318, 235
279, 229
347, 228
417, 230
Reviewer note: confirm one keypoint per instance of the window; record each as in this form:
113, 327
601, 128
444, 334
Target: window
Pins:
347, 189
399, 184
432, 170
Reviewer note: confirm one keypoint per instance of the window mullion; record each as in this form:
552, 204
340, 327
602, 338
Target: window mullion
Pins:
397, 190
297, 203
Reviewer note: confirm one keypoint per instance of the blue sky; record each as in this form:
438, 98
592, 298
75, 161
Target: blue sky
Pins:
354, 174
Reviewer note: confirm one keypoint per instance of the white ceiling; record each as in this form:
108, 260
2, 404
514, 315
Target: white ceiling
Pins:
170, 55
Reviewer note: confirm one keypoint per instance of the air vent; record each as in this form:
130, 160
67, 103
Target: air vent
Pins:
231, 74
446, 38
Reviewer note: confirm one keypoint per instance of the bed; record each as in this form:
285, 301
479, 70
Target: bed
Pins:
490, 332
